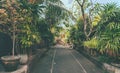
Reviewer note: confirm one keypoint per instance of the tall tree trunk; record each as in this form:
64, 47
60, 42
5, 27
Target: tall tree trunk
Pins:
85, 23
13, 50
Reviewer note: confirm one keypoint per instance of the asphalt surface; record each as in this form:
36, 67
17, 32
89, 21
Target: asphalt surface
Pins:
61, 60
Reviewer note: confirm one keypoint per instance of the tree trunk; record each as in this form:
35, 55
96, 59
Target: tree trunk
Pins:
13, 50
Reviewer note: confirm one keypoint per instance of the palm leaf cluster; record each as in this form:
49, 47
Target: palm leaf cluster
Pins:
56, 12
109, 29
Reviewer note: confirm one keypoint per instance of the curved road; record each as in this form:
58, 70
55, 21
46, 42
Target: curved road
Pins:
61, 60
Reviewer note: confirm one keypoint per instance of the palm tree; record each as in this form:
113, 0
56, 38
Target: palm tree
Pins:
108, 31
56, 11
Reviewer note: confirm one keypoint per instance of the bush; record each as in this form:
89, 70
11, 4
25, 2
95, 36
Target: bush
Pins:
108, 59
93, 43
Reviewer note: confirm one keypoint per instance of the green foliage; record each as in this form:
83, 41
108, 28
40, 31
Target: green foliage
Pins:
111, 42
45, 33
24, 15
29, 36
55, 13
76, 34
96, 20
109, 29
108, 59
105, 27
93, 43
105, 59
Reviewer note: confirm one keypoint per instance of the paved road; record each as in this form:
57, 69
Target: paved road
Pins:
60, 60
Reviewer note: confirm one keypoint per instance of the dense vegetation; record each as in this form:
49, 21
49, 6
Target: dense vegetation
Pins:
30, 22
103, 28
92, 27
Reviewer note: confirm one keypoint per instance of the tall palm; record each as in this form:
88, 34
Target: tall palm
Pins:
109, 31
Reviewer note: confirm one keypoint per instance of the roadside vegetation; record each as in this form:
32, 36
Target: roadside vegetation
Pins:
97, 30
91, 27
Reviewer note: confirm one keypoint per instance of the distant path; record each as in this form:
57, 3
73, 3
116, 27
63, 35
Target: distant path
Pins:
61, 60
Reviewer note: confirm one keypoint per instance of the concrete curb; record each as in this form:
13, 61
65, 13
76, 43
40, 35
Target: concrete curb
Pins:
21, 69
111, 69
105, 66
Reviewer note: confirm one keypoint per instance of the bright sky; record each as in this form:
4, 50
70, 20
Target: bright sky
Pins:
68, 2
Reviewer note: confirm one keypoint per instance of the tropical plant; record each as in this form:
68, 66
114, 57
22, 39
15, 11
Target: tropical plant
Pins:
46, 36
109, 30
93, 43
30, 11
77, 34
56, 12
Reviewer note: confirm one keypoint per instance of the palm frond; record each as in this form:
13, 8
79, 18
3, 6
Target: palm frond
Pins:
65, 12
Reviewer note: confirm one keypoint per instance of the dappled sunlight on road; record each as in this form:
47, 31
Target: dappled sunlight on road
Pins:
63, 46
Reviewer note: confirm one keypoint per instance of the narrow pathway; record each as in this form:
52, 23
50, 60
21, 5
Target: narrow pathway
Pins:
60, 60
